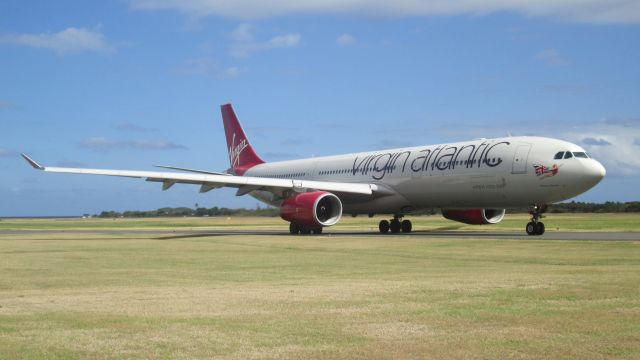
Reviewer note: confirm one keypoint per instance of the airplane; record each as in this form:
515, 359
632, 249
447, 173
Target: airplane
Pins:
472, 182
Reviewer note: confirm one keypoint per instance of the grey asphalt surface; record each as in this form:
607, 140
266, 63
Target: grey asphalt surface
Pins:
188, 233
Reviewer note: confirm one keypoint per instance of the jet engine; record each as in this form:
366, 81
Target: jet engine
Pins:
312, 209
475, 216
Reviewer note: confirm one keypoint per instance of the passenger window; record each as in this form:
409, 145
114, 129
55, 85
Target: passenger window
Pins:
568, 155
559, 155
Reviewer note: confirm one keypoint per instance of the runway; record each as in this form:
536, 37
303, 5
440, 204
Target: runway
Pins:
421, 234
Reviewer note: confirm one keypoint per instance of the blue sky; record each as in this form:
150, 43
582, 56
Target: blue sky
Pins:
133, 83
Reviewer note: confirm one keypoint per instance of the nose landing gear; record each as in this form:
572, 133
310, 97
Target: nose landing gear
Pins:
535, 226
395, 225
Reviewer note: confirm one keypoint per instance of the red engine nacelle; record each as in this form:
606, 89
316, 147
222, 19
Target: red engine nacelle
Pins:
318, 208
475, 216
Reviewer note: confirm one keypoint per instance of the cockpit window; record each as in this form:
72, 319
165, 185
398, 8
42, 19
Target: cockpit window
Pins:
568, 155
559, 155
581, 154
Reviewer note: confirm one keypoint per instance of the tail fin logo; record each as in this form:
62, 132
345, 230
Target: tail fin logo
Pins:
235, 150
242, 157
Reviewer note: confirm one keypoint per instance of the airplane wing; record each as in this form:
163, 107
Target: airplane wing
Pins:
207, 182
192, 170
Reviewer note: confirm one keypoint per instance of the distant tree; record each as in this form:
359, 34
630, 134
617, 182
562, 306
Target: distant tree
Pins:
201, 212
109, 214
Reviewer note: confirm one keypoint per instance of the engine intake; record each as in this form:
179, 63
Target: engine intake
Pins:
318, 208
475, 216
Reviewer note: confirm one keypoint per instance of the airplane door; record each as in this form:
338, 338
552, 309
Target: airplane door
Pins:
312, 171
520, 159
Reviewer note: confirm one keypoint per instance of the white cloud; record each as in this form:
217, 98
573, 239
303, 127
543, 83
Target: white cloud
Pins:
626, 122
587, 11
66, 41
288, 40
199, 66
244, 42
242, 33
209, 67
233, 72
104, 144
612, 144
590, 141
131, 127
7, 153
551, 57
345, 40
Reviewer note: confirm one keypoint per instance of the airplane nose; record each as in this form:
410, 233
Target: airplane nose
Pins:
595, 171
601, 170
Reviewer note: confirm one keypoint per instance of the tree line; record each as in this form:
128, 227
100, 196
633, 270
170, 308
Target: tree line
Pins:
185, 211
567, 207
586, 207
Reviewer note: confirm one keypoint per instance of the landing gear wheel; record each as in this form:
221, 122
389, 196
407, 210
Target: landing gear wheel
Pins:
383, 226
406, 226
531, 228
395, 226
305, 230
294, 229
317, 231
535, 226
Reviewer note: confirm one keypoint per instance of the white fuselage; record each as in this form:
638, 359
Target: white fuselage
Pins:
486, 173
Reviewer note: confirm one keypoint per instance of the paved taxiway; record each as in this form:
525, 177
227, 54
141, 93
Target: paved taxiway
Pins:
185, 233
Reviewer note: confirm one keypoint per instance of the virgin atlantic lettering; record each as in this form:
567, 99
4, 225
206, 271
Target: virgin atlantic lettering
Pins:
441, 157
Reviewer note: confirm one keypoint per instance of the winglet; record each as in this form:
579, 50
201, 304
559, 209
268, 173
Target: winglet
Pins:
33, 164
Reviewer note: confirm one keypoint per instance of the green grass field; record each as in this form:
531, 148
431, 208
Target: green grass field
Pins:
115, 294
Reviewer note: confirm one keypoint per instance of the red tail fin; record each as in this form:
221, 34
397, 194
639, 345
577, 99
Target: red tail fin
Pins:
242, 157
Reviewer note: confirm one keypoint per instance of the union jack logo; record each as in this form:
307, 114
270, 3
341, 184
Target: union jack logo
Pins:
545, 171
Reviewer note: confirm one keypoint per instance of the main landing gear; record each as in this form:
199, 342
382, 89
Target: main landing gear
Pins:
296, 229
535, 226
395, 225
